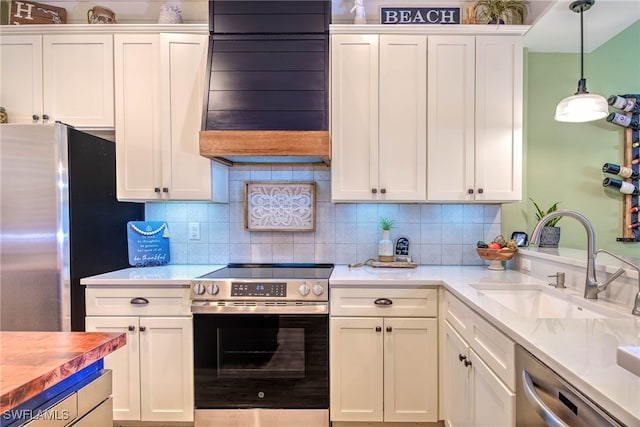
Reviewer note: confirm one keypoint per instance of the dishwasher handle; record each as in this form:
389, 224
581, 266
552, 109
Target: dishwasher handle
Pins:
540, 407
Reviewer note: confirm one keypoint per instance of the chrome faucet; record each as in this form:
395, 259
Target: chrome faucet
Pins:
591, 287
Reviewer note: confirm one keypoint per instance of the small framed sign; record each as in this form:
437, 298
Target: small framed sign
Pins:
280, 206
419, 15
29, 12
148, 243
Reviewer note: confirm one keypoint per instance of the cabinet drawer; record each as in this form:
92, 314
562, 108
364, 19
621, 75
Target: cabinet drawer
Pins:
59, 414
100, 416
94, 393
495, 348
137, 302
370, 302
457, 314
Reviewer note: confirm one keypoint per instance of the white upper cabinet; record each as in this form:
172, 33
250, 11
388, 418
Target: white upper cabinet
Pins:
426, 114
159, 82
378, 117
354, 117
474, 118
65, 77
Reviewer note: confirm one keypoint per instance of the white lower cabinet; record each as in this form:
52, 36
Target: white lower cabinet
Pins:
472, 393
153, 373
383, 368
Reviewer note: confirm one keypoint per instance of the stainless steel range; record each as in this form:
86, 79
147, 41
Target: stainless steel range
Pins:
261, 345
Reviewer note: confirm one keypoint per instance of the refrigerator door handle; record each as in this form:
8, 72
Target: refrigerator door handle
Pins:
139, 301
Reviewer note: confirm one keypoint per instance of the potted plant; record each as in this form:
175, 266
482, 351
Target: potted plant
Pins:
385, 246
501, 11
550, 236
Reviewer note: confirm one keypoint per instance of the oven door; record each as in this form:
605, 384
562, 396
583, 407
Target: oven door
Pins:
261, 361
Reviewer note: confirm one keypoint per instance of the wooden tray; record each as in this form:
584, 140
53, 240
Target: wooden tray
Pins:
394, 264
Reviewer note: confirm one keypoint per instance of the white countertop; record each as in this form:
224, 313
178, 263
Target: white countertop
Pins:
162, 275
583, 351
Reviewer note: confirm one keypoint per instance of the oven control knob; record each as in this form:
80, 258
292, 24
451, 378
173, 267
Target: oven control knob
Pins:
304, 290
213, 289
198, 289
318, 290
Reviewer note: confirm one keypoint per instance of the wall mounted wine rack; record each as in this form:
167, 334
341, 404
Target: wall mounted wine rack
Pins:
631, 202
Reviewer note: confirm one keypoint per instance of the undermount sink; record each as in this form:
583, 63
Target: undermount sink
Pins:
533, 301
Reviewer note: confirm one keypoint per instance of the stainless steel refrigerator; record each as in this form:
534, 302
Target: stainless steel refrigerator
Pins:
59, 222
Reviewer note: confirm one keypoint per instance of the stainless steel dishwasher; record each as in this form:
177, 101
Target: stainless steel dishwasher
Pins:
543, 398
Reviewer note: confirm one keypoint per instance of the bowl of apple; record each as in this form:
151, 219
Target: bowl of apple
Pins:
497, 251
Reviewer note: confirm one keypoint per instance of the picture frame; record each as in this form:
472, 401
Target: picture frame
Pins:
279, 206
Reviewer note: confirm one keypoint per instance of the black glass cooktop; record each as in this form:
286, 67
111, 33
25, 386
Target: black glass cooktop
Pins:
272, 271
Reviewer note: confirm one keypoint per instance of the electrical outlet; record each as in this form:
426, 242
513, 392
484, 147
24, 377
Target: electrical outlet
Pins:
194, 231
525, 264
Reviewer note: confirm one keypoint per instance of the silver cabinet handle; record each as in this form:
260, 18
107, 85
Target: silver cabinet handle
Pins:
383, 301
541, 408
139, 301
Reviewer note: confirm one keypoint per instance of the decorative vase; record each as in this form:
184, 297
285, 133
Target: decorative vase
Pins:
360, 14
170, 14
385, 247
549, 237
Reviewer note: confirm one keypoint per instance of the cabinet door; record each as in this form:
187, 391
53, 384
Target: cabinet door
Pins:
498, 140
450, 116
186, 174
410, 369
166, 368
356, 369
456, 380
124, 362
137, 96
78, 79
403, 117
493, 404
21, 71
354, 117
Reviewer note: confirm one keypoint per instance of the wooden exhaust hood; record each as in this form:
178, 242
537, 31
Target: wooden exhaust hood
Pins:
266, 146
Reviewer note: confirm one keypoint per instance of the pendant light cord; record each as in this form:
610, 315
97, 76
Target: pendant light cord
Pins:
581, 47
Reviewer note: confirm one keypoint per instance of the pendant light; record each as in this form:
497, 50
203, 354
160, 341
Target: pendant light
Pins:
583, 106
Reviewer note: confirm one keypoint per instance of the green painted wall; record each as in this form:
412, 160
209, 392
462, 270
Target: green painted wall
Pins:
563, 161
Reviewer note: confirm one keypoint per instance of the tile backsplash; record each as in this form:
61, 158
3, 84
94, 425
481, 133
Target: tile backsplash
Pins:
345, 232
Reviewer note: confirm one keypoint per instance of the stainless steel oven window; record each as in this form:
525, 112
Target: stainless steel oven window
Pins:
261, 361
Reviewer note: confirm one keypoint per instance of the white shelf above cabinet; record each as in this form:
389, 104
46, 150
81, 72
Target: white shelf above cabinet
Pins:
506, 30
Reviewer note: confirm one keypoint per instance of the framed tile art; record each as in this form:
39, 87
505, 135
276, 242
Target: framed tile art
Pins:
280, 206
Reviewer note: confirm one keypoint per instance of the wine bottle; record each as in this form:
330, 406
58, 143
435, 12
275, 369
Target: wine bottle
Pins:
624, 121
621, 102
622, 186
620, 170
635, 137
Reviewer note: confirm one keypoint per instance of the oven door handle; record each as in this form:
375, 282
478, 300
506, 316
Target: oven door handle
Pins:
540, 407
383, 301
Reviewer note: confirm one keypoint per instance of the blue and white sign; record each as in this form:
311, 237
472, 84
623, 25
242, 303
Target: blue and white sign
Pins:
148, 243
419, 15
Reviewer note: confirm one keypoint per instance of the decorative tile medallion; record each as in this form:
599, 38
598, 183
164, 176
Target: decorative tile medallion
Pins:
280, 206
